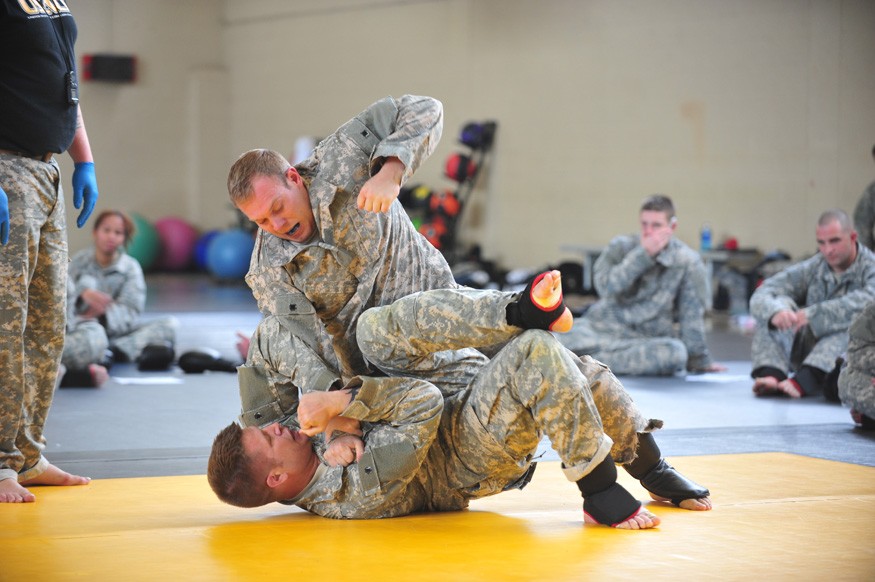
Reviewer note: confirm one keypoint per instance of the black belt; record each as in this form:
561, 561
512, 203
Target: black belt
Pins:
47, 157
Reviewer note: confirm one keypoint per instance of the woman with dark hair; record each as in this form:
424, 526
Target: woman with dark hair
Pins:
106, 293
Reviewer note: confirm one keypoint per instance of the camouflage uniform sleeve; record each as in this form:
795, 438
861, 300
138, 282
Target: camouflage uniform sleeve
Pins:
400, 419
619, 266
835, 315
278, 367
864, 217
129, 301
784, 290
691, 316
289, 357
409, 129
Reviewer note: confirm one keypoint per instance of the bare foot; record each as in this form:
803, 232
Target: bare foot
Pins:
12, 492
55, 476
856, 416
790, 388
99, 374
765, 386
642, 519
700, 504
547, 294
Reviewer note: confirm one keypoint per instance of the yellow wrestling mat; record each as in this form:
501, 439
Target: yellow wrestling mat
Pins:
777, 516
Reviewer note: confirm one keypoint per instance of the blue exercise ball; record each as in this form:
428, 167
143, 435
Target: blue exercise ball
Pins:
228, 254
200, 249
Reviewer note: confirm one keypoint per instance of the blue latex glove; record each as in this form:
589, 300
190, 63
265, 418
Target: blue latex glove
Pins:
4, 217
84, 188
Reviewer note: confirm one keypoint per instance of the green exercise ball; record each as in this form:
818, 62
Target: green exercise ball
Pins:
145, 245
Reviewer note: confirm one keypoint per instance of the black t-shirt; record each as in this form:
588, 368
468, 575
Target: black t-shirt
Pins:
36, 53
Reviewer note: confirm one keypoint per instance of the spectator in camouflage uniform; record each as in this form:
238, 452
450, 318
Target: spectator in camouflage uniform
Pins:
332, 241
413, 456
39, 117
653, 292
857, 378
106, 295
803, 312
864, 215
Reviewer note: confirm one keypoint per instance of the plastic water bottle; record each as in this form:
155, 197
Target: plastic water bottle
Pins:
705, 238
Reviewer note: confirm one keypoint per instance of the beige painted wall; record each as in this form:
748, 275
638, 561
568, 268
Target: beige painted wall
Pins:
754, 115
160, 144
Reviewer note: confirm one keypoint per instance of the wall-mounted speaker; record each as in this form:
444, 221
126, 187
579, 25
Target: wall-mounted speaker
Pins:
106, 67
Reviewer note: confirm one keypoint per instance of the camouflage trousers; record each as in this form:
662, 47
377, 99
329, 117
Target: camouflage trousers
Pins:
625, 352
788, 351
855, 381
532, 386
87, 342
33, 274
856, 390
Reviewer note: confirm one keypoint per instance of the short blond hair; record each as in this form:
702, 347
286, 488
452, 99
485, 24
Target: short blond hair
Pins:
259, 162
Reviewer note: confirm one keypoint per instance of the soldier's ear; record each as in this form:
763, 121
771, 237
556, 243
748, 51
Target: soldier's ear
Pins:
276, 478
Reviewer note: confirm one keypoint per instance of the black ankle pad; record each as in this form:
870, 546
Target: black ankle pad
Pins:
665, 481
612, 506
525, 314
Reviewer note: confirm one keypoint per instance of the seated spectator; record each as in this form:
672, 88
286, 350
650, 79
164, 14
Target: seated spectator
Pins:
653, 290
106, 293
864, 215
857, 378
803, 312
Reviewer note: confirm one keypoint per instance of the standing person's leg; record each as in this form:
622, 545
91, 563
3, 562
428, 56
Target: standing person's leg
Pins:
36, 319
14, 284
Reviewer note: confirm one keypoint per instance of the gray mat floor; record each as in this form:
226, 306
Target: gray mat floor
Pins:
162, 423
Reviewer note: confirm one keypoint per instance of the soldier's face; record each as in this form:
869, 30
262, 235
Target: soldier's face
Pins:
655, 222
839, 248
110, 234
277, 447
281, 207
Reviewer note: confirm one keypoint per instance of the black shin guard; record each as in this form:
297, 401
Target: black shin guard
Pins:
605, 500
666, 482
648, 456
526, 314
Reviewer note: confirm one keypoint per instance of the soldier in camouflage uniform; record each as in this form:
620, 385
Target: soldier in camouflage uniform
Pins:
864, 215
857, 378
649, 286
489, 430
39, 116
106, 295
421, 452
332, 241
803, 313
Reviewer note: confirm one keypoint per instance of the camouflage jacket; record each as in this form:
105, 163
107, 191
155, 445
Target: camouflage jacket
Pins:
864, 217
360, 259
123, 280
830, 301
400, 418
643, 295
